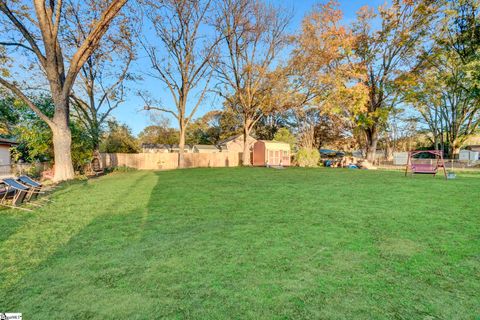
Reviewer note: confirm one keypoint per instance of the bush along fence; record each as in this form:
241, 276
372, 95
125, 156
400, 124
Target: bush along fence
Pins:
168, 161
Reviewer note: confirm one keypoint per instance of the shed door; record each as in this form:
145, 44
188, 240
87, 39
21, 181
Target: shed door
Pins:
274, 157
286, 158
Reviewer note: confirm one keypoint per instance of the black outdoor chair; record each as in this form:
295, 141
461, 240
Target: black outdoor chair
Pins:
35, 187
15, 193
5, 192
29, 181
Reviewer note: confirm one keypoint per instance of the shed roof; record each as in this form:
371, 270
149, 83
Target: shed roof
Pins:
275, 145
8, 142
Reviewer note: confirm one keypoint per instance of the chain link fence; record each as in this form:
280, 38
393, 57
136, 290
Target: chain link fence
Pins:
450, 164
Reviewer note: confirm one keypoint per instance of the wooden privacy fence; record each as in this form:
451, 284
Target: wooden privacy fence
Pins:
16, 169
166, 161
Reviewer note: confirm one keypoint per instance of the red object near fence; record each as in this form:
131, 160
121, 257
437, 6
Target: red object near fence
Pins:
271, 153
425, 168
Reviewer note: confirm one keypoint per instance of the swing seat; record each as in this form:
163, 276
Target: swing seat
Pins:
424, 168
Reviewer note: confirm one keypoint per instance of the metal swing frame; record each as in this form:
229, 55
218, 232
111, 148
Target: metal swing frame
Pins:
423, 168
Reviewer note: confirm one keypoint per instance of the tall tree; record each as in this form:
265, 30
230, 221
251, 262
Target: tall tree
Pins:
253, 35
445, 86
268, 126
101, 84
186, 66
228, 122
118, 138
329, 79
206, 129
386, 53
159, 132
36, 31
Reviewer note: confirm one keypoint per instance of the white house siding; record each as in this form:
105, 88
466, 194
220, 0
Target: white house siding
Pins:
4, 155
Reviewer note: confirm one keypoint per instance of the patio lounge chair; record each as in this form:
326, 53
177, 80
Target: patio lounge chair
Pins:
35, 187
5, 192
29, 181
14, 192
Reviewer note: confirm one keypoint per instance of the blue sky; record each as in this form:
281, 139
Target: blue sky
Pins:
131, 111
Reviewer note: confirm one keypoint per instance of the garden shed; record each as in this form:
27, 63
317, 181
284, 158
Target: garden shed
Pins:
271, 153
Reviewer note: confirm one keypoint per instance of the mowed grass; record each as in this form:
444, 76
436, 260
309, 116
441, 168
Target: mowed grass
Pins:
247, 243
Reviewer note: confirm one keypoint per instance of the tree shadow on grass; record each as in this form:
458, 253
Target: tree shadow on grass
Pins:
80, 271
13, 219
51, 228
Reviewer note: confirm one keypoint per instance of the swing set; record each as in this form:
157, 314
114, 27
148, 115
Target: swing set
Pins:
415, 166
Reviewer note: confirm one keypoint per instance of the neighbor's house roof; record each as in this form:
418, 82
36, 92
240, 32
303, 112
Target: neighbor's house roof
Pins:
175, 146
225, 141
205, 147
7, 142
155, 146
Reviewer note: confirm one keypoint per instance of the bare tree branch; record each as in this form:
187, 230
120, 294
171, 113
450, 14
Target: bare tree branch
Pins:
23, 30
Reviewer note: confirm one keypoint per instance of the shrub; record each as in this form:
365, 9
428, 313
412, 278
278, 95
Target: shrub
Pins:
123, 169
308, 157
35, 171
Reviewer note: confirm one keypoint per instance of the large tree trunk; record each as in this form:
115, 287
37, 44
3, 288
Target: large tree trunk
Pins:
96, 144
96, 155
435, 141
181, 148
456, 153
62, 138
246, 146
454, 150
372, 140
389, 150
62, 141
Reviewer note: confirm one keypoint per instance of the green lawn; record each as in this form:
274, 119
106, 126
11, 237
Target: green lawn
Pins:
247, 243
